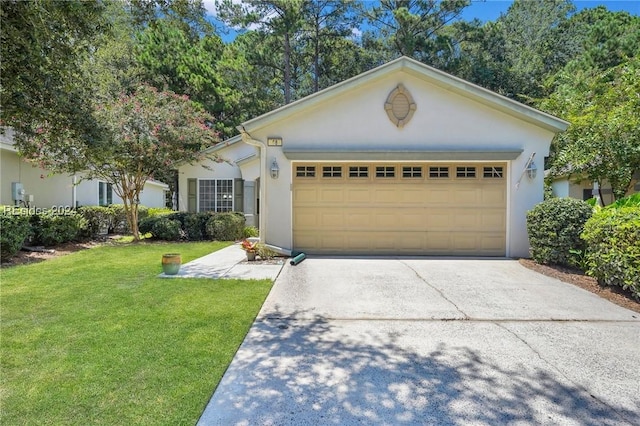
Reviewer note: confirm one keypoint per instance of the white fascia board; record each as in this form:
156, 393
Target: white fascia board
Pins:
157, 183
224, 144
247, 159
7, 147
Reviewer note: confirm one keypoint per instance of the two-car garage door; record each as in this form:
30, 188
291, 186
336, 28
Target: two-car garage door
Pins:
400, 208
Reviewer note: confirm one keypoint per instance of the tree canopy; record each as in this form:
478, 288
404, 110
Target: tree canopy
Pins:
603, 141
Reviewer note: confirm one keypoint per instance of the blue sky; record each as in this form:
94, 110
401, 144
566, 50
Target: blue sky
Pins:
490, 10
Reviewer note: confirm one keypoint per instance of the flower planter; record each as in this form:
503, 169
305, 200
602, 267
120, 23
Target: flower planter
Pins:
171, 263
251, 256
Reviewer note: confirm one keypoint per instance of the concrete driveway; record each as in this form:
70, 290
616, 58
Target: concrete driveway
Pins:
431, 342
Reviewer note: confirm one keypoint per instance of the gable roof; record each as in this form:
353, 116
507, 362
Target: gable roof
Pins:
425, 72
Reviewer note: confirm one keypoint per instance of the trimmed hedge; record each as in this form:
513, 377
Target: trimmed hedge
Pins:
14, 230
250, 232
228, 226
612, 236
118, 223
98, 219
167, 229
554, 227
110, 219
50, 228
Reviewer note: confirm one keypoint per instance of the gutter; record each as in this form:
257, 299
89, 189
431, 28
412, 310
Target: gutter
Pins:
247, 138
279, 250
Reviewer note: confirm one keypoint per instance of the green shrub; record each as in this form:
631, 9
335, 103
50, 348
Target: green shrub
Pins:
14, 229
167, 229
195, 226
630, 201
143, 212
226, 226
613, 247
118, 217
145, 225
192, 225
98, 218
554, 228
265, 252
250, 232
50, 229
158, 211
119, 223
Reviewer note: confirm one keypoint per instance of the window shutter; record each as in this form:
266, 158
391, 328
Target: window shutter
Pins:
192, 193
238, 195
109, 194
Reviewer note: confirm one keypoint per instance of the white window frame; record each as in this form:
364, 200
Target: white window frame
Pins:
104, 188
215, 195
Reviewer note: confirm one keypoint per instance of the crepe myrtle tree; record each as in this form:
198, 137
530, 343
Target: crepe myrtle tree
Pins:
141, 134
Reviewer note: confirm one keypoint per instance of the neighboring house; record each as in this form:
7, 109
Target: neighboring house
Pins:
402, 159
583, 189
43, 190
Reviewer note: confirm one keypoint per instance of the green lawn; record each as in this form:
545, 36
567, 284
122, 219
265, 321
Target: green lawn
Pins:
96, 338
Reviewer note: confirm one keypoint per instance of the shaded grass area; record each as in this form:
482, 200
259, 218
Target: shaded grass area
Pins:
96, 338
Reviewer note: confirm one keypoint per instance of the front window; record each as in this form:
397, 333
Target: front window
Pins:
105, 194
215, 195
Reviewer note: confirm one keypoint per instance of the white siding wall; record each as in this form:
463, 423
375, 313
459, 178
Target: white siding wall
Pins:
47, 190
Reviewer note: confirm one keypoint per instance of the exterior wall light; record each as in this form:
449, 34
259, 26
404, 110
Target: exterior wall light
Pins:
275, 170
532, 170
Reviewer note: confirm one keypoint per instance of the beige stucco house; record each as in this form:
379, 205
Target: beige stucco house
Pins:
400, 160
41, 189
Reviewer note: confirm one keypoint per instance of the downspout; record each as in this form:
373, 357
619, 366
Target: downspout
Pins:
74, 191
246, 137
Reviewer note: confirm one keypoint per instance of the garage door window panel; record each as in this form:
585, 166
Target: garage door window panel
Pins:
305, 171
359, 172
332, 171
412, 172
438, 172
385, 172
466, 172
493, 172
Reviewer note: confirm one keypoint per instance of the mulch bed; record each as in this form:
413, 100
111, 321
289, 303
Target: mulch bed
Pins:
615, 295
27, 257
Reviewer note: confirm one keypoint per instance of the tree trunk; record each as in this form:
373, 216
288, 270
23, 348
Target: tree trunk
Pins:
130, 192
316, 59
287, 68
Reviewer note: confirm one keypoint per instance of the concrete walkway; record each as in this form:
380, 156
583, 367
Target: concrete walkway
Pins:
229, 263
431, 342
